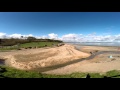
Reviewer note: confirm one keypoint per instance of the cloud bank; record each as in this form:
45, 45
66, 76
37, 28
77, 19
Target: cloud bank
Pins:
53, 36
2, 35
71, 37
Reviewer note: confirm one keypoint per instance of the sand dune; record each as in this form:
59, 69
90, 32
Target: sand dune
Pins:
34, 58
99, 64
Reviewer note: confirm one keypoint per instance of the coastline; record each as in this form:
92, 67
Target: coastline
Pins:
56, 55
100, 63
65, 59
81, 44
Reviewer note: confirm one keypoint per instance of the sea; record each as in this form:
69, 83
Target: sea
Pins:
96, 43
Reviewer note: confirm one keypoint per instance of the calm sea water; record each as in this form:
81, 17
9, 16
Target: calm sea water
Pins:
96, 43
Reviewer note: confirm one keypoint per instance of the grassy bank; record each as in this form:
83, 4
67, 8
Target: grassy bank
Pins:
31, 44
38, 44
14, 73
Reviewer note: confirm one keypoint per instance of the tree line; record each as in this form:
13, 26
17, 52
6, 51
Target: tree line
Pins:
13, 41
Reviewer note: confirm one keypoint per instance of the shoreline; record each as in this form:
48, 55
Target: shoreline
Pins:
68, 53
82, 45
68, 63
100, 63
93, 45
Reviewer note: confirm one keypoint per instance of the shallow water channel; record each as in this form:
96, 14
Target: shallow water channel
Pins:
2, 62
75, 61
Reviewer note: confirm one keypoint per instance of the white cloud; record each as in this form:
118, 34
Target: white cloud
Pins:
53, 36
44, 37
70, 37
29, 35
90, 38
73, 38
117, 37
15, 36
80, 34
3, 35
93, 34
19, 35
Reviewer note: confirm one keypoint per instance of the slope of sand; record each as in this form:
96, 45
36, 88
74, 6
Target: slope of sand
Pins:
34, 58
99, 64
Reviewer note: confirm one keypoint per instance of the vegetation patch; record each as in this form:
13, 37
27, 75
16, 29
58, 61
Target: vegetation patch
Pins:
28, 43
14, 73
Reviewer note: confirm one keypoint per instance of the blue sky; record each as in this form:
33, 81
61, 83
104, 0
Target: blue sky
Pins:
61, 25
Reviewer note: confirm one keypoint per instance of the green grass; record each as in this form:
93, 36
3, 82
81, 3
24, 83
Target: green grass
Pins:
14, 73
32, 44
78, 75
113, 73
38, 44
96, 75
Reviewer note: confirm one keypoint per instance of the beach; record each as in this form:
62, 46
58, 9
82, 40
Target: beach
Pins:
100, 63
42, 57
65, 59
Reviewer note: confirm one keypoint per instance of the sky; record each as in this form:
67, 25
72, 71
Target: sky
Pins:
66, 26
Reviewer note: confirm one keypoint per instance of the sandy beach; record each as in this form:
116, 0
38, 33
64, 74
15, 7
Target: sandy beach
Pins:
45, 57
99, 64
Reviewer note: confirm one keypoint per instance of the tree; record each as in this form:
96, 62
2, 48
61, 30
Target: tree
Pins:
21, 37
31, 38
0, 41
